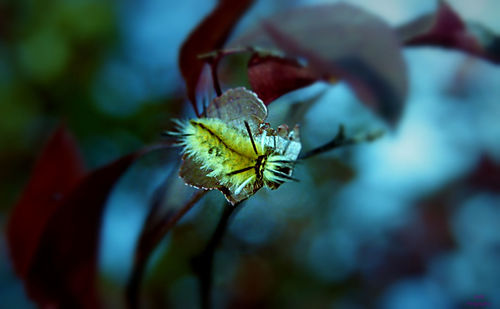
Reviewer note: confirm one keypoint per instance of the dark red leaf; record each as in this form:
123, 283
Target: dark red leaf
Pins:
343, 42
55, 174
272, 77
209, 35
486, 176
445, 28
64, 270
53, 231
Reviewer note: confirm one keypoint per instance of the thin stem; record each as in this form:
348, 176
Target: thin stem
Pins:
151, 236
203, 262
341, 140
337, 141
221, 53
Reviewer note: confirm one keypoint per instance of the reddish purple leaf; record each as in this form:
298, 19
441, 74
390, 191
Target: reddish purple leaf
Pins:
54, 229
55, 174
343, 42
209, 35
445, 28
272, 77
64, 269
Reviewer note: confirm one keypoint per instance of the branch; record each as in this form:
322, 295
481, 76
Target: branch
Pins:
341, 140
203, 262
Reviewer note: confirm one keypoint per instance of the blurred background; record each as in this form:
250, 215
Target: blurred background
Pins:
398, 223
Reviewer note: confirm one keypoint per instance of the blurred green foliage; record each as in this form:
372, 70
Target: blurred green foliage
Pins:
51, 55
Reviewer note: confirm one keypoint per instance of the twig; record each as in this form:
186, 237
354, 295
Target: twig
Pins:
203, 262
221, 53
341, 140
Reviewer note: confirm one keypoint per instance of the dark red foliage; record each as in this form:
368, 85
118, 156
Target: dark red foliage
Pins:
426, 235
486, 176
209, 35
342, 42
65, 267
54, 229
445, 28
55, 174
272, 77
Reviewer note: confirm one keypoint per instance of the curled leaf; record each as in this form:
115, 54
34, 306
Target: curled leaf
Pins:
343, 42
236, 106
445, 28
